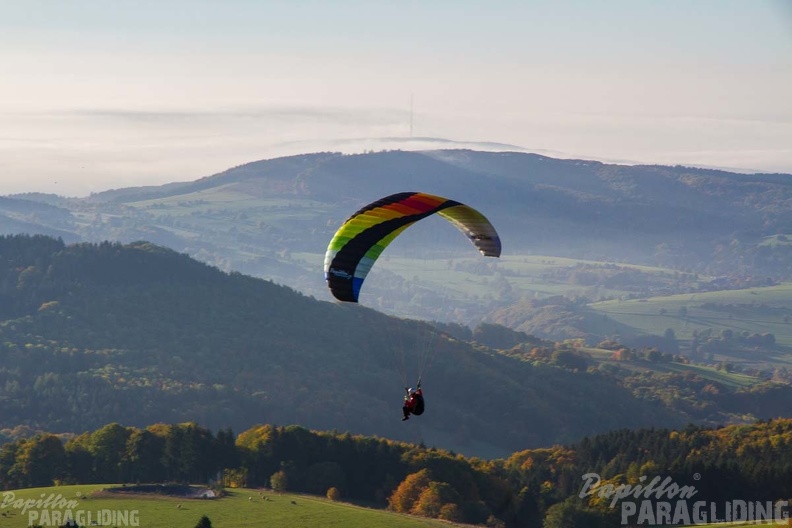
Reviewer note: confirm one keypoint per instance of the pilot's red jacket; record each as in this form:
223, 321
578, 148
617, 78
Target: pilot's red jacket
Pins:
414, 403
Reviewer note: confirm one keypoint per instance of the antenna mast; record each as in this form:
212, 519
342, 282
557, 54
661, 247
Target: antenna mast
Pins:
411, 115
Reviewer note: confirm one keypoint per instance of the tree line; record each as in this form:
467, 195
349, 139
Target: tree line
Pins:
531, 488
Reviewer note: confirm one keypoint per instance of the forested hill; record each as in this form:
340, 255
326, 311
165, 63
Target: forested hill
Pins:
95, 333
252, 217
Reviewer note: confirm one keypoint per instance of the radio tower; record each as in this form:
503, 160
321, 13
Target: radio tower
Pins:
411, 115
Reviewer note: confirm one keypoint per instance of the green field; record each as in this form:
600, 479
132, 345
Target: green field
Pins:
734, 380
241, 508
756, 310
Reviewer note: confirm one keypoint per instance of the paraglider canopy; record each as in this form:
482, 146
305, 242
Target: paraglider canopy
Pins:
363, 236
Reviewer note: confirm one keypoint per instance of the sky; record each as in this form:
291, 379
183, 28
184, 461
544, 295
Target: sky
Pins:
102, 94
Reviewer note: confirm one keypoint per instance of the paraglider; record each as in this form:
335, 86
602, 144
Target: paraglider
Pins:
363, 237
413, 402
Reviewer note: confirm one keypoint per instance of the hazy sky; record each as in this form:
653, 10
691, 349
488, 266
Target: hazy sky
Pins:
99, 94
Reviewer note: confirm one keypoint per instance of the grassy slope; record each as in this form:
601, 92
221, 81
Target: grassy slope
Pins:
645, 314
242, 508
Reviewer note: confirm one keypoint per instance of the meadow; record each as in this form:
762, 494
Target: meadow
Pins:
240, 508
753, 310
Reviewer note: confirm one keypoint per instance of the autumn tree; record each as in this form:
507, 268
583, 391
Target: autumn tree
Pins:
407, 493
39, 461
333, 494
433, 498
279, 481
450, 512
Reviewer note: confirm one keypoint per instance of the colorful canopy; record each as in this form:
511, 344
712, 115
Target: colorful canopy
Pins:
363, 237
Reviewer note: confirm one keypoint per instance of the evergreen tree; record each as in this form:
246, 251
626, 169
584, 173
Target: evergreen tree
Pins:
204, 523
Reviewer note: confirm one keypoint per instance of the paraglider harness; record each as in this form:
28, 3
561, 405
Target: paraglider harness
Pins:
418, 407
413, 402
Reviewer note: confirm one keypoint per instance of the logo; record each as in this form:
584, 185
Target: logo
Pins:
339, 273
57, 510
662, 502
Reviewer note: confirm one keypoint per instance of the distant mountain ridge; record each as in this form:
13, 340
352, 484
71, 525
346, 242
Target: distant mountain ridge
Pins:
254, 217
503, 183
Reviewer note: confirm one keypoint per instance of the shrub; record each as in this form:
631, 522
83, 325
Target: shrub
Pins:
333, 494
